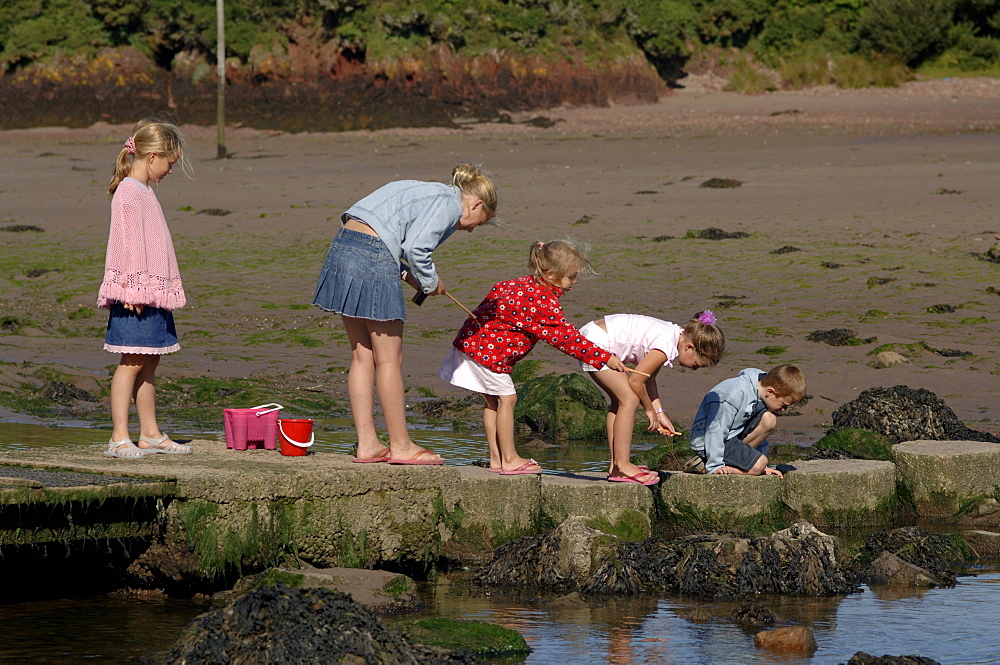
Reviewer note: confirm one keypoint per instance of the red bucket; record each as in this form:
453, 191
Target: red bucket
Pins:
295, 435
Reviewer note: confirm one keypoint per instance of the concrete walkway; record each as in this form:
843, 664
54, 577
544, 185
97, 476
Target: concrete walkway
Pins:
334, 512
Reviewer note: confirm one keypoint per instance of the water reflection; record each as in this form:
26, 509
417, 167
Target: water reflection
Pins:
952, 626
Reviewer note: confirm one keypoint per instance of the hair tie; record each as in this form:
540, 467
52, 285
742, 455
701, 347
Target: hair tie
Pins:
129, 145
707, 317
540, 245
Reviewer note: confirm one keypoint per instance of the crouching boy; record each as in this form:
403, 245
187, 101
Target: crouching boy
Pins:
730, 430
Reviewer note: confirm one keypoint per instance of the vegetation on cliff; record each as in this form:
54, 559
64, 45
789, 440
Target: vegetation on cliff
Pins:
427, 62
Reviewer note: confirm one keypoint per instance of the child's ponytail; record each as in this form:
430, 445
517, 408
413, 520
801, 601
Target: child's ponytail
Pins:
560, 256
149, 136
475, 183
707, 337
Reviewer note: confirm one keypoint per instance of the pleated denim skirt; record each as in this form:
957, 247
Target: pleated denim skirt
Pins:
151, 332
360, 278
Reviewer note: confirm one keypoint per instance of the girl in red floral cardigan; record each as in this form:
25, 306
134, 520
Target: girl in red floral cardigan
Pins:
507, 324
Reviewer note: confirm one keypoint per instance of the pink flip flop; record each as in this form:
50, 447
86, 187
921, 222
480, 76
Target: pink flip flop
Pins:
524, 469
383, 456
635, 479
415, 461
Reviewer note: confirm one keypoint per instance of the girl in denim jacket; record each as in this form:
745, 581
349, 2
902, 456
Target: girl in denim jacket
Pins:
387, 235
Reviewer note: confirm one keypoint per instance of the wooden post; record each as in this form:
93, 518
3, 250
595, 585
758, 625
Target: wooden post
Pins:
220, 102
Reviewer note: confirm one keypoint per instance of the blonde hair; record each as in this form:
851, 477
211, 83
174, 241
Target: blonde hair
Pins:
786, 381
708, 340
150, 136
560, 256
472, 181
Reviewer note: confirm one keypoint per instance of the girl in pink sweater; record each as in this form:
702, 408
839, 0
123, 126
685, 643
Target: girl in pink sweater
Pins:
141, 285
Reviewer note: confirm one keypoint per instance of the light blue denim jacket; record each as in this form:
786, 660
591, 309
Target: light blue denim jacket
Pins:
412, 218
722, 414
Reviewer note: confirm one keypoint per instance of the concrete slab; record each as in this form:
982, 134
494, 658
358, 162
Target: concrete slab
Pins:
719, 501
841, 493
946, 478
591, 495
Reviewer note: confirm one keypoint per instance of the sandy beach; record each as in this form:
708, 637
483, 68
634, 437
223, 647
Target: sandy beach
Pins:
870, 210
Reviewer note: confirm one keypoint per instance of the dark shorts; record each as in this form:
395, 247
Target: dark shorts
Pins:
151, 332
360, 278
739, 454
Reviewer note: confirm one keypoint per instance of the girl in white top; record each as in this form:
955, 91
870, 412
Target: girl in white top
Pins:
650, 344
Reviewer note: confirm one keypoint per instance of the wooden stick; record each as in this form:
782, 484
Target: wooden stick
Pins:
629, 369
467, 310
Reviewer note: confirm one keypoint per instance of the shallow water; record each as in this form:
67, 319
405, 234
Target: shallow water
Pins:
953, 626
336, 436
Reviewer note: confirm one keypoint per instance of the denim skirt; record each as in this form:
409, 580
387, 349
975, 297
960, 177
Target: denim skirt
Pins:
151, 332
360, 278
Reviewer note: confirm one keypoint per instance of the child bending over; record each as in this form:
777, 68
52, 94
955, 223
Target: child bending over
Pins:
652, 344
507, 324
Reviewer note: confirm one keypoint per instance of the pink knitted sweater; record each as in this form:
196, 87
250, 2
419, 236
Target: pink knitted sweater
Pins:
140, 267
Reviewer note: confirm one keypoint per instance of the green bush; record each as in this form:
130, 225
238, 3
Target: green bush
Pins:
749, 80
857, 71
910, 30
803, 71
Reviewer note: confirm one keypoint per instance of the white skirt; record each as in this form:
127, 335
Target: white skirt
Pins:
460, 370
599, 336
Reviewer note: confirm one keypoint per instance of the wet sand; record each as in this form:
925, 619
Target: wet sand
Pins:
886, 197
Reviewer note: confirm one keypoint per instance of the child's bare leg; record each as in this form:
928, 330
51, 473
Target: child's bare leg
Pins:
144, 394
122, 388
763, 430
387, 346
509, 459
492, 402
624, 402
361, 386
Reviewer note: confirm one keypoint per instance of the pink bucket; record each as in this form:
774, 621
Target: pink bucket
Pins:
252, 428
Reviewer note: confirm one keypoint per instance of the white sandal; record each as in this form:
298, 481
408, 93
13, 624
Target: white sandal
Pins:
128, 450
173, 448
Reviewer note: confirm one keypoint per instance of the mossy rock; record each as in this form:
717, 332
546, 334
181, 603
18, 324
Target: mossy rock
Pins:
477, 637
858, 443
564, 406
668, 456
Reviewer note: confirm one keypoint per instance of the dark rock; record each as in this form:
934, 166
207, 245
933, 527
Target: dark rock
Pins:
799, 560
831, 265
64, 393
787, 249
721, 183
838, 337
214, 212
902, 414
940, 309
862, 658
952, 353
440, 407
282, 625
713, 233
38, 272
751, 613
22, 228
662, 238
933, 552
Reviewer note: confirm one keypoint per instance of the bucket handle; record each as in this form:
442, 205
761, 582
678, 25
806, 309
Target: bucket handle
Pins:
312, 438
277, 407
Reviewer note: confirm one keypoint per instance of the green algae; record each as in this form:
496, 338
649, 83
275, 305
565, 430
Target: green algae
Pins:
631, 526
476, 637
858, 443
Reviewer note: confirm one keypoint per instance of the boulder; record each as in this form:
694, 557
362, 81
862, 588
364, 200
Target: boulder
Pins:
884, 359
950, 479
890, 569
786, 638
799, 560
857, 443
380, 591
862, 658
281, 625
902, 414
934, 553
562, 406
